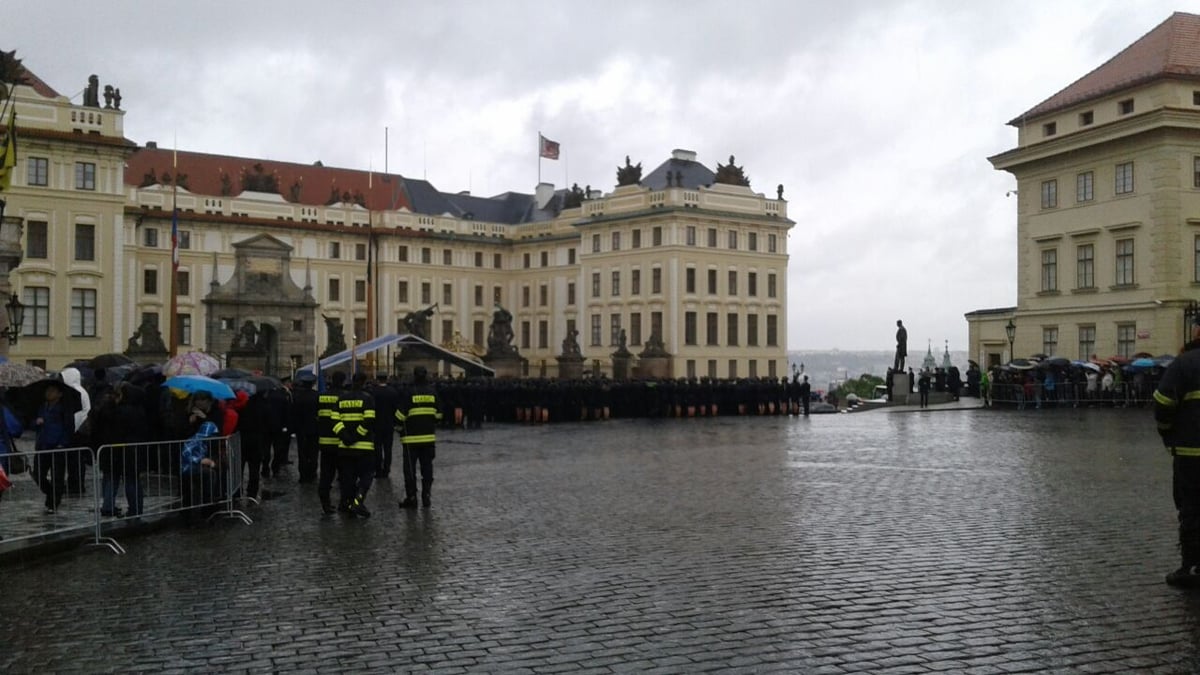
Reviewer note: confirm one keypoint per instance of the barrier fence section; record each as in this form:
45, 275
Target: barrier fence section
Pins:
1122, 394
129, 483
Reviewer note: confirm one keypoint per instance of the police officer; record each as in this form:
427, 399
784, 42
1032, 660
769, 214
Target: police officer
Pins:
418, 411
328, 441
303, 422
355, 428
805, 391
1177, 412
386, 399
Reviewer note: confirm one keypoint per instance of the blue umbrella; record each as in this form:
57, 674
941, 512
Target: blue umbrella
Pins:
194, 383
1139, 364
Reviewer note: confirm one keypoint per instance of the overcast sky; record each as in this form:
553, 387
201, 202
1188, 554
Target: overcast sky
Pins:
876, 116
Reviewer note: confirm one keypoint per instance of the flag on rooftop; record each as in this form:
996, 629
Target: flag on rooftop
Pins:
547, 148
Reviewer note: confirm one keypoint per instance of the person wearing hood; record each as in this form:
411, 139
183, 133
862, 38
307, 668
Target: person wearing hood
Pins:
122, 420
77, 461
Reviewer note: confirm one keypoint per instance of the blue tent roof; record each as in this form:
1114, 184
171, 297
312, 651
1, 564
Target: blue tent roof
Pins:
403, 340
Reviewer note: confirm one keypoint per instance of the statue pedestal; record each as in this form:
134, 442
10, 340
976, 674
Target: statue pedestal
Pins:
570, 367
654, 366
621, 361
506, 364
246, 359
901, 385
407, 360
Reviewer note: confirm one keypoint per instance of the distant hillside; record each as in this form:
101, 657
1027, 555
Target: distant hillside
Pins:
825, 367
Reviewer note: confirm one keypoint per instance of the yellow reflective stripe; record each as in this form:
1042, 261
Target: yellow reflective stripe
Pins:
362, 445
426, 438
1186, 452
1162, 399
399, 416
1190, 396
337, 428
422, 411
424, 398
329, 440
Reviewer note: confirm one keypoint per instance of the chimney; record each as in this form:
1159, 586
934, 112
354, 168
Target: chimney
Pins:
685, 155
151, 145
543, 193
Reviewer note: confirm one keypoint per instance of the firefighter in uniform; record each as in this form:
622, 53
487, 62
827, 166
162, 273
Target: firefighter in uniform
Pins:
328, 441
1177, 412
418, 413
355, 428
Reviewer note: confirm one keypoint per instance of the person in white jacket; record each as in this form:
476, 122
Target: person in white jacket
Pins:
77, 462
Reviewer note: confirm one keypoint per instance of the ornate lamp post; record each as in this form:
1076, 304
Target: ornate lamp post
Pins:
1011, 331
15, 310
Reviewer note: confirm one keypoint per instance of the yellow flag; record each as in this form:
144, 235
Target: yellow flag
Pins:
8, 160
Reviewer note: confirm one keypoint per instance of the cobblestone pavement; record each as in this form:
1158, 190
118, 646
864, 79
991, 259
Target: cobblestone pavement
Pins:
972, 541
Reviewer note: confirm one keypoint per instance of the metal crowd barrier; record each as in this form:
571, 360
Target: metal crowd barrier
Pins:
128, 483
1123, 394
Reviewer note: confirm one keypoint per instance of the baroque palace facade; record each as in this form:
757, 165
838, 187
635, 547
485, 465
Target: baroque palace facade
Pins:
684, 254
1108, 209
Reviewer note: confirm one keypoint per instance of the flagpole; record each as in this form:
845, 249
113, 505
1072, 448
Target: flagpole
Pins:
539, 156
370, 281
173, 319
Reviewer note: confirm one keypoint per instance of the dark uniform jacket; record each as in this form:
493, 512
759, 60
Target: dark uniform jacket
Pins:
327, 404
1177, 403
418, 412
354, 421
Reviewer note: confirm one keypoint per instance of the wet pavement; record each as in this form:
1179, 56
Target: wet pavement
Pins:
974, 541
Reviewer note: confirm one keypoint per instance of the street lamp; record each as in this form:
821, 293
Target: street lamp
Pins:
16, 316
1011, 331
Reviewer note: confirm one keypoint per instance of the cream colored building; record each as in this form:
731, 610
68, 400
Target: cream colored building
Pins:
1108, 208
702, 262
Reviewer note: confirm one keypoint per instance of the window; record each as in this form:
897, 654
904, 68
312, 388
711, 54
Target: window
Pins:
1049, 128
614, 329
150, 237
38, 171
448, 295
1196, 98
360, 329
37, 311
448, 257
185, 239
656, 280
477, 333
616, 241
150, 282
426, 255
498, 260
543, 334
595, 284
1083, 186
712, 282
733, 240
753, 369
1050, 269
635, 328
751, 330
1086, 118
297, 327
525, 261
545, 258
637, 239
360, 251
1196, 171
712, 368
1124, 263
524, 296
689, 328
85, 242
36, 244
479, 258
335, 250
595, 243
83, 312
731, 330
1085, 266
712, 237
85, 176
733, 285
570, 292
335, 290
570, 256
656, 235
524, 335
543, 295
1049, 194
426, 292
635, 282
733, 371
710, 332
402, 254
772, 243
616, 283
1126, 339
402, 292
183, 283
771, 290
752, 241
1125, 107
183, 328
1087, 342
595, 336
689, 284
1050, 340
479, 295
447, 329
360, 290
752, 284
1124, 179
656, 319
1196, 258
772, 331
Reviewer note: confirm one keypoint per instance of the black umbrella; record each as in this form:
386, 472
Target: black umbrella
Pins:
253, 384
27, 400
109, 361
230, 374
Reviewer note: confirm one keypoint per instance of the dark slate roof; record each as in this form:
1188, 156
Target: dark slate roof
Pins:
510, 208
695, 175
424, 198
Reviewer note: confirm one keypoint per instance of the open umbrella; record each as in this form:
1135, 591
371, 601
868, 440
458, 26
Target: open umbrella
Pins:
1164, 360
14, 374
196, 383
111, 360
1086, 364
230, 374
253, 384
27, 400
1057, 361
1143, 363
1021, 364
191, 363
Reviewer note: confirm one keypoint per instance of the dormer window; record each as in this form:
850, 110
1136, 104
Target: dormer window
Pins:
1086, 118
1049, 128
1125, 107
